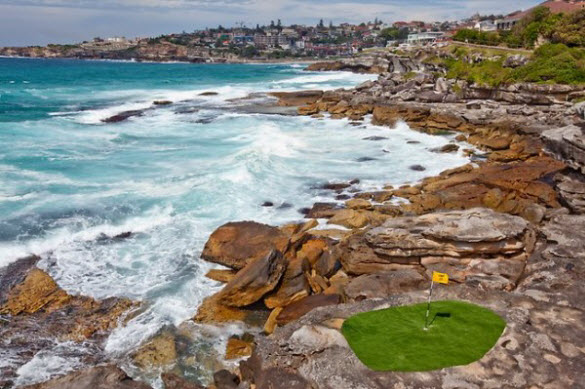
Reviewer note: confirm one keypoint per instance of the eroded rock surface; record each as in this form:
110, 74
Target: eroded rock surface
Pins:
469, 245
237, 244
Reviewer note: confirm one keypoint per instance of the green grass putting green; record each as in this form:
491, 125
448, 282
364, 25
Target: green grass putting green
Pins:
394, 339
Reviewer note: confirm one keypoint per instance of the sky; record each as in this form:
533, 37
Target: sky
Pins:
39, 22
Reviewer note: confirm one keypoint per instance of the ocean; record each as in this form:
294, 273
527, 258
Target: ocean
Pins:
170, 176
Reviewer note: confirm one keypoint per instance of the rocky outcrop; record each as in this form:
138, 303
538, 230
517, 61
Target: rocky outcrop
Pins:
254, 281
237, 244
295, 99
542, 344
100, 377
568, 145
477, 245
36, 312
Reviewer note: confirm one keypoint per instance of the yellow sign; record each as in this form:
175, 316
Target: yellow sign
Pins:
441, 278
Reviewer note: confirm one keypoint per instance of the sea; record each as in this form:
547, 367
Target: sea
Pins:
69, 182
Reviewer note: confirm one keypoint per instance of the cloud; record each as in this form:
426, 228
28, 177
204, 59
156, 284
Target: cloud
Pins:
24, 22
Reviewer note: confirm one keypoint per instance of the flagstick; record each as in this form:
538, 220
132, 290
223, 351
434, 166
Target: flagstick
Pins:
429, 305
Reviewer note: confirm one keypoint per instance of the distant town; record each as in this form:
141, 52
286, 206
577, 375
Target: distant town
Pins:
277, 41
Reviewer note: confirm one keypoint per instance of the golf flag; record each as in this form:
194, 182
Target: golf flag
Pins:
440, 278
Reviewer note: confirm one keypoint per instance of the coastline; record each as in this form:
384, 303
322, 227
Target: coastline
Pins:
512, 163
227, 62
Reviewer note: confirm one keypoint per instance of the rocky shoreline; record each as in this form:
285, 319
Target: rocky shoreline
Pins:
508, 228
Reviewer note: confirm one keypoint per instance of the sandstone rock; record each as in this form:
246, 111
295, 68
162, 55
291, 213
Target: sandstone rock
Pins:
571, 188
218, 275
238, 348
101, 377
462, 243
294, 285
302, 307
312, 249
271, 323
213, 311
357, 204
173, 381
237, 244
254, 281
298, 98
328, 263
349, 218
385, 284
160, 351
37, 292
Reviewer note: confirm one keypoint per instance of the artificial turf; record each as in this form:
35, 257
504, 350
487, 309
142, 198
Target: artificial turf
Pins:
394, 339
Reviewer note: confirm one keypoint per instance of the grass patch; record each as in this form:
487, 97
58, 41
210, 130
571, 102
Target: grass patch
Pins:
394, 339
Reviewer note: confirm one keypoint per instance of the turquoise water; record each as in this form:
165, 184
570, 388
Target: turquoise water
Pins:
170, 176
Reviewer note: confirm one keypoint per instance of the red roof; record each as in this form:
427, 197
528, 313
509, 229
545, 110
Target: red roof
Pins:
555, 6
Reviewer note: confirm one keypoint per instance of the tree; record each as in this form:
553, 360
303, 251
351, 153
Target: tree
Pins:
331, 24
272, 24
321, 24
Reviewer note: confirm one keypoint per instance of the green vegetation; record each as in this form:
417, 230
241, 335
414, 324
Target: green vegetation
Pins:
551, 63
540, 24
394, 339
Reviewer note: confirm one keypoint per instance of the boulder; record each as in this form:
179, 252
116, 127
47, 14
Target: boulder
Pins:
294, 285
221, 275
461, 243
225, 379
235, 245
254, 281
100, 377
213, 311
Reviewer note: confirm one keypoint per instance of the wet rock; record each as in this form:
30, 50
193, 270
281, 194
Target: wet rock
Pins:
173, 381
284, 206
238, 348
254, 281
322, 211
268, 204
461, 243
376, 138
159, 352
237, 244
101, 377
299, 308
162, 102
449, 148
366, 159
225, 379
123, 116
208, 94
418, 168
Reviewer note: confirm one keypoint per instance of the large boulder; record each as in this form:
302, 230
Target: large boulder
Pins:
237, 244
254, 281
100, 377
294, 284
299, 308
465, 244
567, 144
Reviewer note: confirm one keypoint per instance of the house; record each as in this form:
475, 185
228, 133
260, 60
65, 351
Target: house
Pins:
424, 38
485, 26
555, 7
